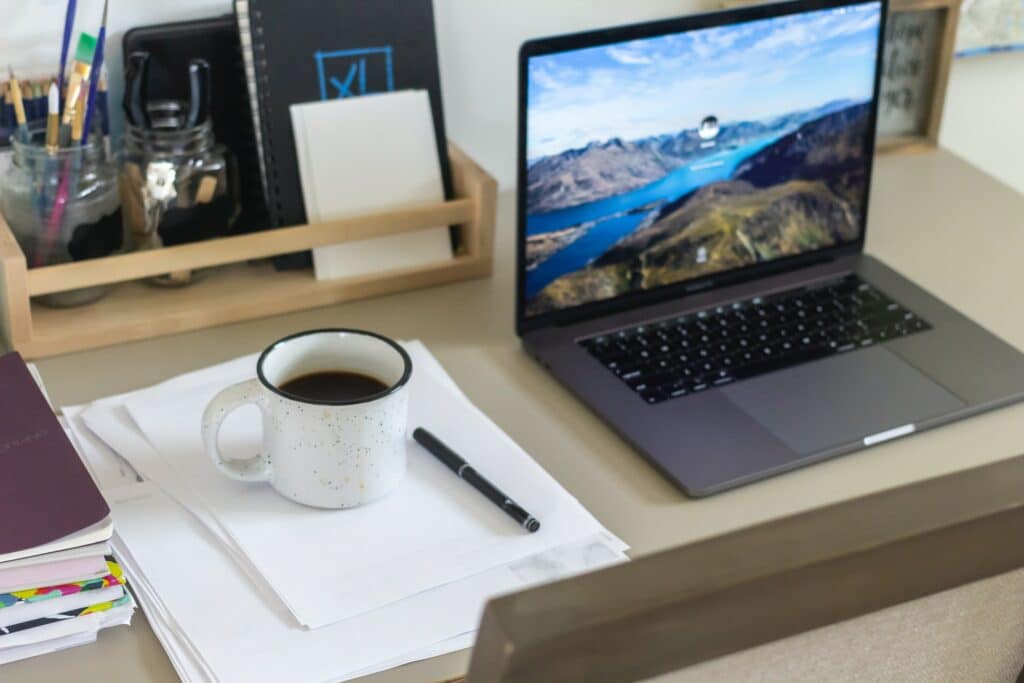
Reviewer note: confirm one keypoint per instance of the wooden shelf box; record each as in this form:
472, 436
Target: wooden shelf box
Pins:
235, 290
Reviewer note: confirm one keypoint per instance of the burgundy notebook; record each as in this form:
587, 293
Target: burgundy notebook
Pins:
45, 491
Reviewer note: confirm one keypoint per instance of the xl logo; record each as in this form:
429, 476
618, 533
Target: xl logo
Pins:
350, 73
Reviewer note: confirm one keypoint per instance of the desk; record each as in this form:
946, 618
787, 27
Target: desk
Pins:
940, 221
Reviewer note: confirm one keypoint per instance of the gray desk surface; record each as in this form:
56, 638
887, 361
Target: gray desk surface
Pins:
937, 219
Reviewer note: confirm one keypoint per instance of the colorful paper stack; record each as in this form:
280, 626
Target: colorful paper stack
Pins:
59, 585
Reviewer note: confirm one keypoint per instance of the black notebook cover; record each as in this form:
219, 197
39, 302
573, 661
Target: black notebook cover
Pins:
310, 50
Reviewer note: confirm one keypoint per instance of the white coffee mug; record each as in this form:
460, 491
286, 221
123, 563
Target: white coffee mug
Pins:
328, 454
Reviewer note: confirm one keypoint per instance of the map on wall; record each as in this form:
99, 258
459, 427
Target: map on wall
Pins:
990, 26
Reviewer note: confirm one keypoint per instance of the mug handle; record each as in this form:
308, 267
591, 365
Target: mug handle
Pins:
255, 468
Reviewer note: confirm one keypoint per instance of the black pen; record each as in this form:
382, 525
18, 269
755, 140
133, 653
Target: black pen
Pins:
465, 472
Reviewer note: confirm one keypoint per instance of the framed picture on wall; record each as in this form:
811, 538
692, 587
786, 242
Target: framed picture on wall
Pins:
919, 43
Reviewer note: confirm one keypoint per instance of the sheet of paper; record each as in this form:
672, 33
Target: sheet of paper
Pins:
460, 642
364, 155
106, 423
173, 609
98, 456
177, 613
93, 622
120, 435
433, 530
28, 611
92, 535
63, 571
92, 550
34, 371
252, 642
109, 473
14, 654
112, 424
186, 661
108, 469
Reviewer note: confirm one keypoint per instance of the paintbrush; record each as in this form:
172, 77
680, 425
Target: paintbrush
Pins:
79, 75
52, 144
96, 71
19, 106
102, 104
78, 123
53, 120
7, 109
68, 182
30, 93
69, 22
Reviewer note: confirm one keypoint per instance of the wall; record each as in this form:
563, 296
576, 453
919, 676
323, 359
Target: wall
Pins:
479, 40
984, 117
479, 57
31, 32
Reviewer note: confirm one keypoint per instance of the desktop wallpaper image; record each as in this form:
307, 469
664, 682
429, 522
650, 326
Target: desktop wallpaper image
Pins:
665, 159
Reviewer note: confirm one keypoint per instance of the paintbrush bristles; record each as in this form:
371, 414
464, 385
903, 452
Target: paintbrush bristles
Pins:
53, 119
80, 73
74, 90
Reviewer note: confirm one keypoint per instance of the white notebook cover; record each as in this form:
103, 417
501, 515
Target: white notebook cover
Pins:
363, 155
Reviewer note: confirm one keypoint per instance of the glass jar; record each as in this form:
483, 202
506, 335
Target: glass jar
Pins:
63, 206
177, 185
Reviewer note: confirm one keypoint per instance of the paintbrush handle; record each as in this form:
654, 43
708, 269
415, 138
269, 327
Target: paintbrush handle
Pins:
69, 21
56, 217
94, 80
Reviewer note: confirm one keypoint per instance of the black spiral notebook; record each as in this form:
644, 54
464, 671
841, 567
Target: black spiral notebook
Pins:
309, 50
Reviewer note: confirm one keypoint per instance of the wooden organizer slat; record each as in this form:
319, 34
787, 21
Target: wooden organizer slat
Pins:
235, 290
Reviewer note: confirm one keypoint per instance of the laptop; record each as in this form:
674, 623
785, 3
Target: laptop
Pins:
692, 206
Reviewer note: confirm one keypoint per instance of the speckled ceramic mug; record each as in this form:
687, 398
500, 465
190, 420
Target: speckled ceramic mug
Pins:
328, 454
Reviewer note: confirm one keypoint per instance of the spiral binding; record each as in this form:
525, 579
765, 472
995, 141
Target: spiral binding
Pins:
250, 25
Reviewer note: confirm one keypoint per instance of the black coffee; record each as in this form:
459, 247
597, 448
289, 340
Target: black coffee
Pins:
333, 386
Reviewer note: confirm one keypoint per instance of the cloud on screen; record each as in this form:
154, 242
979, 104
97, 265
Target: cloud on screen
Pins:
668, 83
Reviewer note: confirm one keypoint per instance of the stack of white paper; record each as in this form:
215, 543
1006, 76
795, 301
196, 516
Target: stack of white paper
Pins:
241, 584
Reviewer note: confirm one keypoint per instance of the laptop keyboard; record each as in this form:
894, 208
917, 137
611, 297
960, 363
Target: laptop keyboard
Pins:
687, 354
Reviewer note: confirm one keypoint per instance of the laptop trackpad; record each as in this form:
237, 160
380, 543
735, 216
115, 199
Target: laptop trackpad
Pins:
842, 399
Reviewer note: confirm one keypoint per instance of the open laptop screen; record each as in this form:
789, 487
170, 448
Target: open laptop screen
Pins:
660, 160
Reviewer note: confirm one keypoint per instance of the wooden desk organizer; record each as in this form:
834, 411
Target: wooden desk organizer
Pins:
236, 290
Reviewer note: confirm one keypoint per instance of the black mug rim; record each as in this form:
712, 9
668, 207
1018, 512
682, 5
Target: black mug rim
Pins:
402, 381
